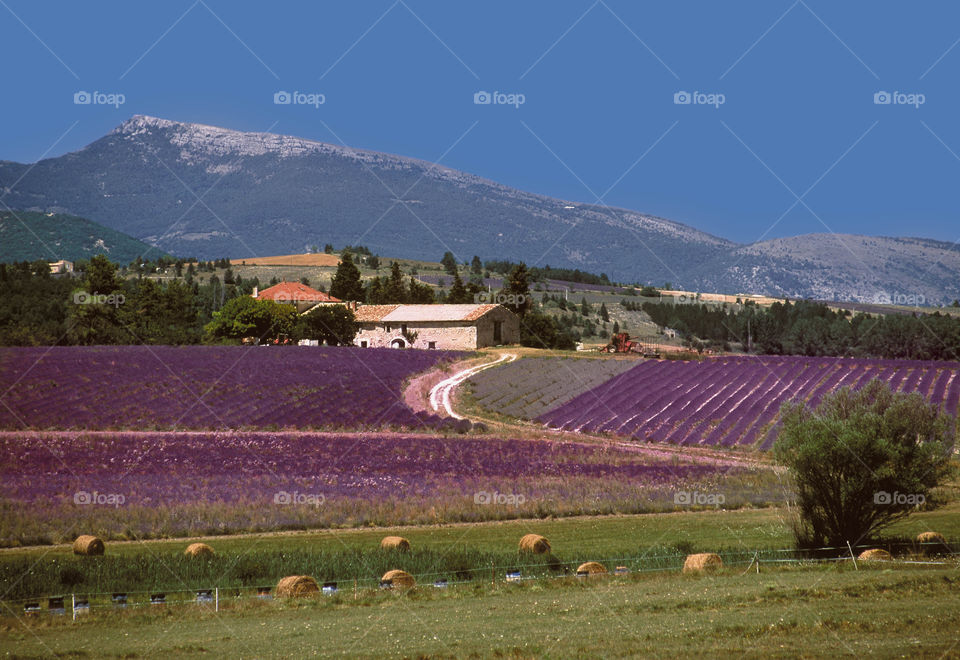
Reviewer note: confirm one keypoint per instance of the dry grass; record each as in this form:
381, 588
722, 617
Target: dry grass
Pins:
395, 543
88, 545
199, 550
535, 543
289, 260
295, 586
701, 562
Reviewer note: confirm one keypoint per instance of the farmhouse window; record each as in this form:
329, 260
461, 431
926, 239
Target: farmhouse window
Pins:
363, 343
431, 344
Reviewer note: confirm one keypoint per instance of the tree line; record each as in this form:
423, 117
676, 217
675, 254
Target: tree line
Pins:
813, 329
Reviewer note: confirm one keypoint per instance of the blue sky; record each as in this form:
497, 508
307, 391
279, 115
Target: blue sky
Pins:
784, 137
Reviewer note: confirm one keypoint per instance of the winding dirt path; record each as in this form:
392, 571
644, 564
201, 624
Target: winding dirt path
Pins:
440, 393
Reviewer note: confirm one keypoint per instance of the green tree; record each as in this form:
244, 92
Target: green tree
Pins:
419, 293
333, 325
862, 460
476, 266
249, 317
584, 307
373, 261
346, 283
541, 331
604, 314
449, 263
94, 316
393, 289
517, 290
328, 248
458, 293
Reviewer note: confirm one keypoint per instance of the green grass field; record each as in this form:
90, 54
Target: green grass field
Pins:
815, 611
782, 611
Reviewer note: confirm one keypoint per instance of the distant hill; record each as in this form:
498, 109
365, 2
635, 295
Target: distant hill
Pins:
28, 236
266, 194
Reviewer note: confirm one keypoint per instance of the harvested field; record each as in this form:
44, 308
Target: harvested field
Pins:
320, 259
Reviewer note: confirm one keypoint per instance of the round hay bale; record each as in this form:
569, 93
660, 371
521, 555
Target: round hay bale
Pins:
703, 561
932, 543
294, 586
395, 543
199, 550
400, 579
534, 543
88, 545
875, 554
592, 568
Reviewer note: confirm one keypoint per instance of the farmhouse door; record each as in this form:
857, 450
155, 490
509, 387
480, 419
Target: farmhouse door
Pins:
498, 332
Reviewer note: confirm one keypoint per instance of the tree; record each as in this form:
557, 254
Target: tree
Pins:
584, 306
449, 263
517, 290
541, 331
373, 261
346, 283
419, 293
328, 248
393, 289
333, 325
604, 314
476, 266
94, 316
458, 293
249, 317
862, 460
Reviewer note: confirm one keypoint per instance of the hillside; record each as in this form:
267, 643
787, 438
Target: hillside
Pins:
265, 194
28, 236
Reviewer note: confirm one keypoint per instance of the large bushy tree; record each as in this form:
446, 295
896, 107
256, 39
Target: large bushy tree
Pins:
862, 460
333, 325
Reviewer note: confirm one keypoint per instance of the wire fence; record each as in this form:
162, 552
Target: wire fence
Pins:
216, 597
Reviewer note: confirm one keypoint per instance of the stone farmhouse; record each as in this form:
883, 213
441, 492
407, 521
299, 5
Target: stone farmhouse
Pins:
441, 327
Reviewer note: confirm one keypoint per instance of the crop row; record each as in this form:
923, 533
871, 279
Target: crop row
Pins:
530, 387
735, 401
203, 387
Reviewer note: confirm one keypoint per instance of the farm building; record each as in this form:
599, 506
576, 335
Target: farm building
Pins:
295, 293
446, 327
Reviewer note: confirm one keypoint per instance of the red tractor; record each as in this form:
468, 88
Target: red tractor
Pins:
621, 343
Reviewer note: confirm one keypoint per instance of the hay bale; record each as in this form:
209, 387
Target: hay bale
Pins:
400, 579
875, 554
932, 543
703, 561
592, 568
395, 543
534, 543
88, 545
199, 550
295, 586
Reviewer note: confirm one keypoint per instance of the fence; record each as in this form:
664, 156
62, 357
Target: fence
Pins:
78, 605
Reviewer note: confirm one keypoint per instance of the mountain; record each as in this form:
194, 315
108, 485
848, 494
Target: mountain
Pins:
204, 191
28, 236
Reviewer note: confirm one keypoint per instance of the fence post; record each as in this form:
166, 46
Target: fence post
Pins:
757, 555
356, 595
493, 575
73, 605
216, 599
853, 557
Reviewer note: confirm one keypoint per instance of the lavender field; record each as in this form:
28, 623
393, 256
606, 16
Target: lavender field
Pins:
735, 401
156, 484
209, 387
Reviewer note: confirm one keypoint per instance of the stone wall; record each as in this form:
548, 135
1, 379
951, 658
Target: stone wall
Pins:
452, 335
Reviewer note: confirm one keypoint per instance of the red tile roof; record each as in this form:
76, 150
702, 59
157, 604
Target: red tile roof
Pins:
427, 313
294, 292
